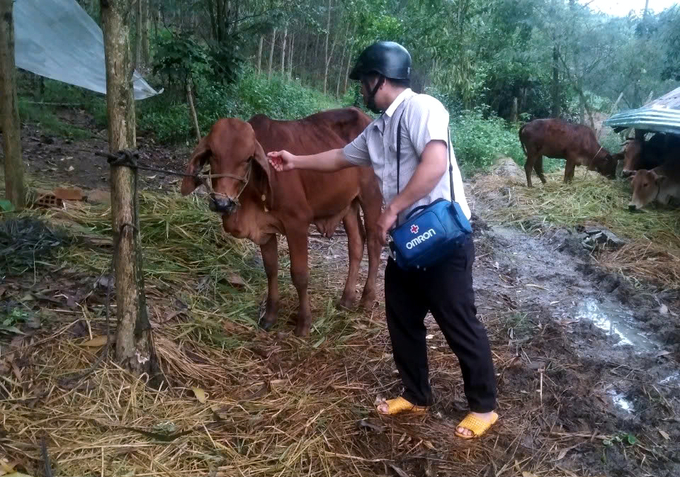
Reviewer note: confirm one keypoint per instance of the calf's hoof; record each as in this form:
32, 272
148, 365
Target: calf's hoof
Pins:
303, 325
267, 323
367, 301
345, 304
302, 330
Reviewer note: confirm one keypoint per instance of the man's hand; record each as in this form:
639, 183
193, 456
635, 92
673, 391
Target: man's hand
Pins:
385, 223
282, 160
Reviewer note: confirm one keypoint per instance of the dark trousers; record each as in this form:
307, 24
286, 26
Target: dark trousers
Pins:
446, 291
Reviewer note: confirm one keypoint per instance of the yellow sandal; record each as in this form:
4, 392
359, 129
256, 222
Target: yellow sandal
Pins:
400, 405
476, 425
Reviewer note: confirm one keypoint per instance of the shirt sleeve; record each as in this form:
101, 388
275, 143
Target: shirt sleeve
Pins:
428, 121
356, 152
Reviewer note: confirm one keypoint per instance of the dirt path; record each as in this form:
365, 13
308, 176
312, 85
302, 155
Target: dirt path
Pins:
587, 342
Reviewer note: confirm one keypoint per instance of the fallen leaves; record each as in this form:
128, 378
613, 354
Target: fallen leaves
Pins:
200, 395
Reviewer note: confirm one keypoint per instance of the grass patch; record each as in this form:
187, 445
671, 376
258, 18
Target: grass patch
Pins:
46, 119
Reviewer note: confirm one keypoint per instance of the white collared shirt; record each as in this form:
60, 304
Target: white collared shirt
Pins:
424, 119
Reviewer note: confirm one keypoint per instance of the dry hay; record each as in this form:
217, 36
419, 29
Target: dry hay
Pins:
591, 199
234, 400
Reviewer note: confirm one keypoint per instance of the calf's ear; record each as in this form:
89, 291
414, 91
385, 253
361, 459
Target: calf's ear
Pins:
196, 163
263, 175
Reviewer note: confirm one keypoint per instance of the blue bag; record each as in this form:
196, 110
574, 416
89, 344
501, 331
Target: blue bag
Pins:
431, 232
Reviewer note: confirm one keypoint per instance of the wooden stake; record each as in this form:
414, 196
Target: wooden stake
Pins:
192, 110
10, 124
134, 348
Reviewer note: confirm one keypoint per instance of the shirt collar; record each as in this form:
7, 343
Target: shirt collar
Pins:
404, 95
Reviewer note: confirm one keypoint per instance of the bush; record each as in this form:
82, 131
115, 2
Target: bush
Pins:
478, 142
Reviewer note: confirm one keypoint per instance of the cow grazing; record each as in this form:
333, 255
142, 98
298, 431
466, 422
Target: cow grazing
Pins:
641, 154
660, 184
257, 202
559, 139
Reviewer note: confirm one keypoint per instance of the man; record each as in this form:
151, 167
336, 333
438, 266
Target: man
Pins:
445, 289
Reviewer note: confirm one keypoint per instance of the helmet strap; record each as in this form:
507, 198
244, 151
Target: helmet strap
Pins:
370, 101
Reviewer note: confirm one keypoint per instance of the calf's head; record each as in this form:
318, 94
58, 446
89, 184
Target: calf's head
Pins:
632, 156
646, 186
236, 160
605, 164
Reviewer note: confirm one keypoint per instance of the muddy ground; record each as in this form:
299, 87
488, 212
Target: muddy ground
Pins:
587, 360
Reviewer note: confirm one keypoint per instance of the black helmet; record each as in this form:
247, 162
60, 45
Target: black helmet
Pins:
387, 58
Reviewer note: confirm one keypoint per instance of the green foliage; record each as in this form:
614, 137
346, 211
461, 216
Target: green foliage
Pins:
49, 122
478, 141
168, 116
180, 57
43, 102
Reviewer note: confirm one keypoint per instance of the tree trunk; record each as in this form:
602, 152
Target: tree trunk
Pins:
259, 55
328, 34
138, 34
556, 82
303, 69
316, 56
342, 62
10, 124
349, 63
328, 63
271, 55
290, 56
134, 345
213, 20
283, 51
146, 50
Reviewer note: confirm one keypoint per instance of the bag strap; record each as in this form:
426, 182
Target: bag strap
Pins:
448, 151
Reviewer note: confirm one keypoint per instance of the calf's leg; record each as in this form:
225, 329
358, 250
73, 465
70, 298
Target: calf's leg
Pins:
569, 170
297, 246
538, 167
371, 204
270, 257
355, 247
528, 166
372, 207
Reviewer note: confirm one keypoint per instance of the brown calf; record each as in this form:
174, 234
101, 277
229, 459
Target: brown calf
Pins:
641, 154
257, 202
559, 139
660, 184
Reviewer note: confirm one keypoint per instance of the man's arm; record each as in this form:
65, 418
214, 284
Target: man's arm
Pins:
433, 164
328, 161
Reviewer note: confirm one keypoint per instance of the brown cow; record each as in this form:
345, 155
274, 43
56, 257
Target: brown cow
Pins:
660, 184
256, 202
640, 154
559, 139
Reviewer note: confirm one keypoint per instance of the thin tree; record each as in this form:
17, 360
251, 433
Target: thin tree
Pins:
134, 346
10, 124
271, 55
328, 55
259, 55
283, 51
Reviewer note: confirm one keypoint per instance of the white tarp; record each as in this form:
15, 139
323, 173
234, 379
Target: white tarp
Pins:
57, 39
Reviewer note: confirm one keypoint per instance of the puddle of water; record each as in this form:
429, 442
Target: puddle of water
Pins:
613, 321
673, 378
623, 403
